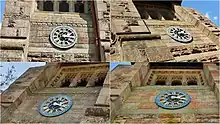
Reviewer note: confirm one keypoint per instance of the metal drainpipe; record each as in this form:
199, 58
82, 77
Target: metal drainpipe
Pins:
95, 24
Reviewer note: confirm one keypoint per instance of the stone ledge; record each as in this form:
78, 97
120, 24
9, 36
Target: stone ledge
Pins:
51, 50
107, 81
12, 44
123, 92
98, 111
103, 98
138, 36
94, 120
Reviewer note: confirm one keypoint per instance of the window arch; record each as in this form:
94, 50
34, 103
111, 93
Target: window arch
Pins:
160, 82
167, 15
66, 83
154, 14
48, 5
64, 6
176, 83
79, 6
191, 82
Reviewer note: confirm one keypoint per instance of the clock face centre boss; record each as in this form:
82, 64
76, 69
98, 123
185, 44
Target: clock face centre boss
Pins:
55, 106
172, 99
63, 37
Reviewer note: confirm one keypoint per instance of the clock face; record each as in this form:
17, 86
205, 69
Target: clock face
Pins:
172, 99
63, 37
179, 34
55, 106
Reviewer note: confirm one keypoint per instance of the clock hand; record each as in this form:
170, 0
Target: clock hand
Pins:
175, 97
68, 36
55, 103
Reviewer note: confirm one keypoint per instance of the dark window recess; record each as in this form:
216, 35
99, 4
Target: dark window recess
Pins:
38, 7
100, 82
192, 82
160, 82
167, 15
66, 83
154, 15
176, 82
48, 6
79, 6
82, 83
63, 6
143, 13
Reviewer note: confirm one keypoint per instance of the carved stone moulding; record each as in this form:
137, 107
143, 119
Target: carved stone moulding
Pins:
17, 16
61, 24
125, 17
214, 58
159, 25
198, 48
176, 75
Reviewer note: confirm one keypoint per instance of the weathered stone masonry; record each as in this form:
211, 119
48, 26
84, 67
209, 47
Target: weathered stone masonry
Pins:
27, 25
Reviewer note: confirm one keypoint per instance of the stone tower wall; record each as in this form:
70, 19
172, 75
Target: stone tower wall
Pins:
15, 30
26, 30
20, 102
133, 102
40, 48
103, 16
140, 39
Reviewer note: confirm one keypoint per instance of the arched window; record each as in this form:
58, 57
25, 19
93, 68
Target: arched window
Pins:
154, 14
167, 15
82, 83
66, 83
176, 82
192, 82
64, 6
48, 5
79, 6
160, 82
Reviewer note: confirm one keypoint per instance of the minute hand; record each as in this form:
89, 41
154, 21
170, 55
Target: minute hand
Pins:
68, 36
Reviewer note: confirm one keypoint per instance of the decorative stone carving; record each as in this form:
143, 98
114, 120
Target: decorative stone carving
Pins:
161, 77
11, 22
132, 22
174, 75
187, 50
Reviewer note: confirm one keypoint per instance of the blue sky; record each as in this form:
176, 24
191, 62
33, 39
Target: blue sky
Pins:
113, 65
209, 8
20, 68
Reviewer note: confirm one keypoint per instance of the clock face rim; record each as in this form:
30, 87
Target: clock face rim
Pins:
65, 47
158, 103
43, 113
177, 39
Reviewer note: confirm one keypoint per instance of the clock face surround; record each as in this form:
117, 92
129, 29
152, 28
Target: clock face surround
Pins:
63, 37
172, 99
55, 106
179, 34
